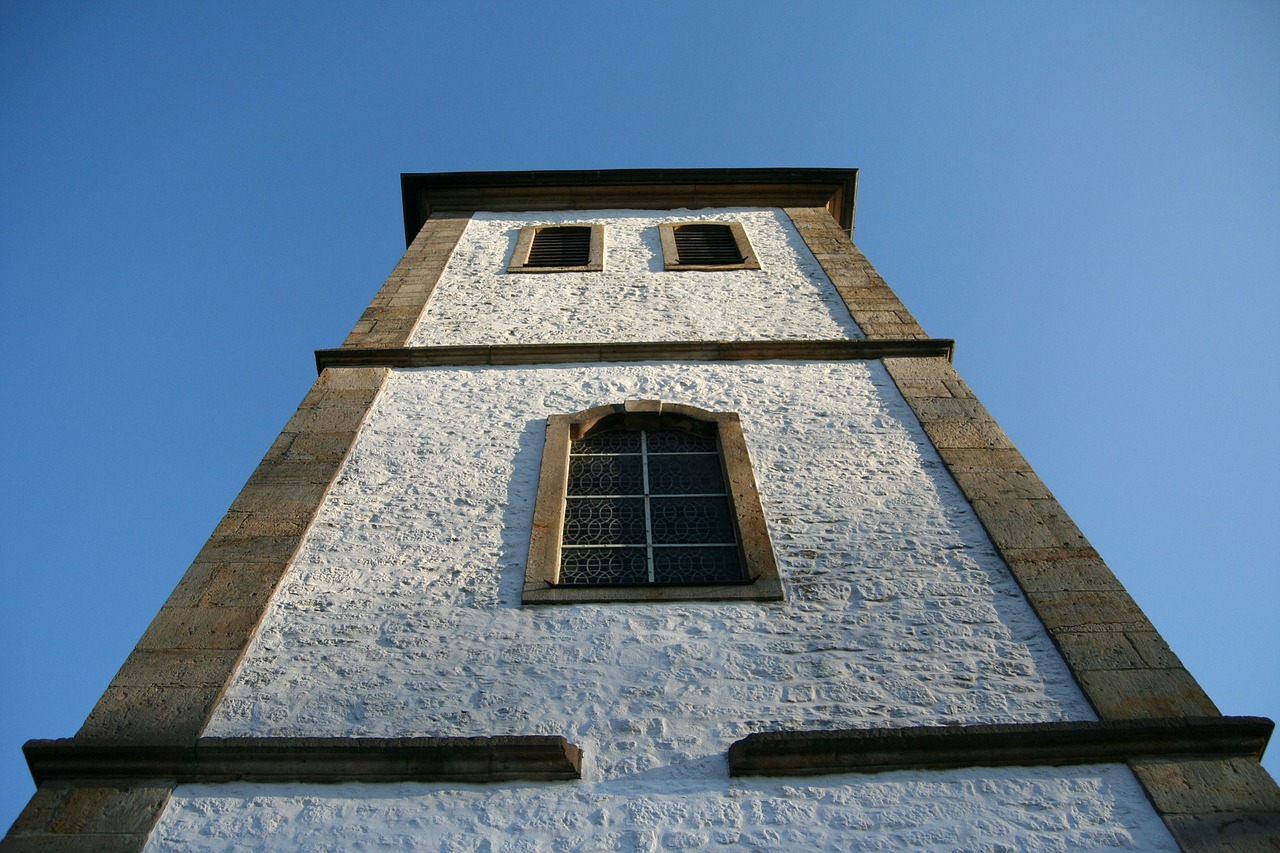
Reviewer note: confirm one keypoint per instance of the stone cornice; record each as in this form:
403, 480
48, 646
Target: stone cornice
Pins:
811, 753
649, 189
844, 350
304, 759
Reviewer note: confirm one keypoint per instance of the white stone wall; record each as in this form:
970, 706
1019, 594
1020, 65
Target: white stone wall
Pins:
401, 614
1015, 810
478, 302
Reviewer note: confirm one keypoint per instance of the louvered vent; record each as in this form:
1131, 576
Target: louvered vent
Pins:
563, 246
707, 244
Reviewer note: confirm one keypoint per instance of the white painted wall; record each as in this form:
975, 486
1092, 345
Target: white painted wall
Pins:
401, 614
478, 302
1013, 810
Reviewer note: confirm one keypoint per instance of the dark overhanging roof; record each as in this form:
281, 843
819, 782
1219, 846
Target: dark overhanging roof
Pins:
644, 189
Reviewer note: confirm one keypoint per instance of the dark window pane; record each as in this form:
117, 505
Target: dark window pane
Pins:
679, 441
697, 565
707, 244
685, 475
603, 566
563, 246
691, 520
608, 441
605, 475
604, 521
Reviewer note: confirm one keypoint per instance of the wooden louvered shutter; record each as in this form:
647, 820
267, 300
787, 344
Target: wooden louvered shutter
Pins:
562, 246
707, 244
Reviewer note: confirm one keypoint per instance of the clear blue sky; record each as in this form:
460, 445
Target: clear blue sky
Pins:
195, 196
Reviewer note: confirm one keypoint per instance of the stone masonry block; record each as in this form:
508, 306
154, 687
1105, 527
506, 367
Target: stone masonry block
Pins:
156, 715
182, 668
193, 584
969, 435
1226, 832
329, 448
987, 459
1207, 786
109, 809
935, 369
997, 485
1081, 612
40, 810
1154, 650
262, 497
249, 549
326, 420
890, 331
1130, 694
1018, 524
1098, 650
949, 409
913, 388
242, 585
1077, 569
200, 628
368, 378
243, 525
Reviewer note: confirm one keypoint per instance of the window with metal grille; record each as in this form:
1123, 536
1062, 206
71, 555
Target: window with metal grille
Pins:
559, 248
648, 501
706, 246
648, 507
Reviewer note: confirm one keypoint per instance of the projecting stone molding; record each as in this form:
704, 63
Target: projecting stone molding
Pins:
285, 759
812, 753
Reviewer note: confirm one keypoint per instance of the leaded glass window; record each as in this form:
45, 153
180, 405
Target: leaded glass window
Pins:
648, 501
648, 506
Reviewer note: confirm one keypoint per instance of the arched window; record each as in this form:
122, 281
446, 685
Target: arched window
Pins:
648, 501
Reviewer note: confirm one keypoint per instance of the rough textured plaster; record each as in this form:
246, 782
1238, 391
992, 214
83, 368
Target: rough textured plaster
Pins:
401, 614
478, 302
1012, 809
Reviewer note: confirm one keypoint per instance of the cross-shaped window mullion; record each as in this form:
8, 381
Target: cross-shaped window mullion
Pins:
648, 515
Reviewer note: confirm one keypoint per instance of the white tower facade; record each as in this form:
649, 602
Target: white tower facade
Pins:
637, 513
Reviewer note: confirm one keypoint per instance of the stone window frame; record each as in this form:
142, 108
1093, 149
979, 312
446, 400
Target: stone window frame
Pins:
671, 253
543, 566
524, 244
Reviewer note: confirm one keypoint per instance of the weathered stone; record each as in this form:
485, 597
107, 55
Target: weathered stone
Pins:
183, 668
1129, 694
201, 628
150, 714
1067, 569
109, 809
967, 435
1083, 611
1098, 650
1208, 786
1226, 832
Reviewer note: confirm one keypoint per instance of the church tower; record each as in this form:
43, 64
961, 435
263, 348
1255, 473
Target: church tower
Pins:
637, 513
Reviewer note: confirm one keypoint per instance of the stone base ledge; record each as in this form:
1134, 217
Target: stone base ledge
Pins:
811, 753
410, 759
510, 354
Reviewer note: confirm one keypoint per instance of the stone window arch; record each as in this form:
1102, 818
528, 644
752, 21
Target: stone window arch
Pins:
648, 501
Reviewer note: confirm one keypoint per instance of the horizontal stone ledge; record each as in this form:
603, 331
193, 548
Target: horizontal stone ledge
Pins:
305, 759
504, 354
811, 753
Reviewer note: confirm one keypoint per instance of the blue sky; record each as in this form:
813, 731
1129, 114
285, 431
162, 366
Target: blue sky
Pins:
197, 196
